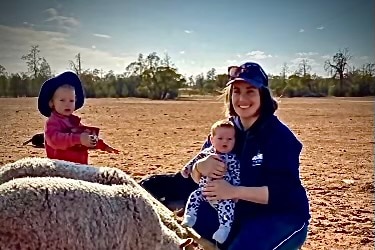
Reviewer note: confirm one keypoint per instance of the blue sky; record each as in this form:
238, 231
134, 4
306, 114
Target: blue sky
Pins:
197, 34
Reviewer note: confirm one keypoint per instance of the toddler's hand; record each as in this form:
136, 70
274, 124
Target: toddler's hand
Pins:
88, 140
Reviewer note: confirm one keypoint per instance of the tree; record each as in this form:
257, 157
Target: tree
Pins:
166, 61
3, 71
136, 68
199, 82
304, 71
221, 81
3, 81
338, 66
44, 69
304, 67
211, 74
33, 60
76, 66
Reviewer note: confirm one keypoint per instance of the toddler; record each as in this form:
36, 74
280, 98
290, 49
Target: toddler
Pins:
66, 138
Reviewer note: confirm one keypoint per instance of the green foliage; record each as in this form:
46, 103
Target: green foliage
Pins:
157, 78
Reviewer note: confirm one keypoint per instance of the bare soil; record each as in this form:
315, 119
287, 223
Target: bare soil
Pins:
337, 162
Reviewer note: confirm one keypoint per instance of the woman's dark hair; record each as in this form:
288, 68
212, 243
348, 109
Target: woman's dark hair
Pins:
268, 105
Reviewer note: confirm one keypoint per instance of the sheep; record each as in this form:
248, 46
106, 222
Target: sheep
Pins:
54, 204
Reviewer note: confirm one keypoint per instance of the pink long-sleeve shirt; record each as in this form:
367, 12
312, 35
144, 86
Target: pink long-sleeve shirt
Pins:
64, 144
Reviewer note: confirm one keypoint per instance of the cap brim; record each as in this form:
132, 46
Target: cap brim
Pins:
252, 82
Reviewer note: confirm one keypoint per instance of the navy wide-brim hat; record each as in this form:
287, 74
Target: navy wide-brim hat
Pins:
49, 87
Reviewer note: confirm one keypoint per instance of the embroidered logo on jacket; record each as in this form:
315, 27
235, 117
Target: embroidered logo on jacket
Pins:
257, 159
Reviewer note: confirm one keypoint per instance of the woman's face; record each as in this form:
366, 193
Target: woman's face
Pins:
245, 100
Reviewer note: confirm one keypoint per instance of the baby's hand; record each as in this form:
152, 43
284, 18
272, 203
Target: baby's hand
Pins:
88, 140
185, 173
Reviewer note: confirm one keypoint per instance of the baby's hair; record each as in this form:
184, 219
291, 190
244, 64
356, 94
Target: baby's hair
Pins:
221, 124
66, 86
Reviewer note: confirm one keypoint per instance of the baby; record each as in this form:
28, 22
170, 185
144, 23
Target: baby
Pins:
222, 138
66, 138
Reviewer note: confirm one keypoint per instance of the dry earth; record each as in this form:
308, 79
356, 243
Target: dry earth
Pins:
337, 162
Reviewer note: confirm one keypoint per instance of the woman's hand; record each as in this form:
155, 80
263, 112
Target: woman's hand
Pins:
211, 166
219, 190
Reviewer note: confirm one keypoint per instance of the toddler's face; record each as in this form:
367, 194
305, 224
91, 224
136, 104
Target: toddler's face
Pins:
64, 101
223, 140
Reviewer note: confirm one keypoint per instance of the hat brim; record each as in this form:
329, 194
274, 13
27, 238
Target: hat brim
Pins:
49, 87
252, 82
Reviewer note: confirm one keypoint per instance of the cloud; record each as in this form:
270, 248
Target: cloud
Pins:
188, 31
64, 23
51, 11
301, 30
320, 28
180, 61
93, 47
231, 61
56, 48
27, 24
307, 53
257, 55
298, 60
102, 36
182, 52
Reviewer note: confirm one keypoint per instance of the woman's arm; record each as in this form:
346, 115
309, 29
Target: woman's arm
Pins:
281, 174
223, 190
253, 194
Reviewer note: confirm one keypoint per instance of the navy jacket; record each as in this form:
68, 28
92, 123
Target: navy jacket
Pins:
269, 156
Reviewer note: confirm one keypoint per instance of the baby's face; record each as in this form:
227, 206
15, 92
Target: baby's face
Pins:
223, 140
64, 101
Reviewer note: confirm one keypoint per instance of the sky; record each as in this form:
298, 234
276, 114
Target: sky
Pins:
197, 34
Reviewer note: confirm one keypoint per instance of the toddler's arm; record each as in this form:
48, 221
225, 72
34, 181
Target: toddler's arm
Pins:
58, 139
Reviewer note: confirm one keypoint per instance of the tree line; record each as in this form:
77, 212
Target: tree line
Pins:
155, 77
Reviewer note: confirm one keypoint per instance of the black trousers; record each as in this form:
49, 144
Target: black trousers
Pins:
172, 190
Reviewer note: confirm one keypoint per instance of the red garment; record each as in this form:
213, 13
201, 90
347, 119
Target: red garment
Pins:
63, 138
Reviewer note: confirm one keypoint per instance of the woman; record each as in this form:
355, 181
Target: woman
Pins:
272, 211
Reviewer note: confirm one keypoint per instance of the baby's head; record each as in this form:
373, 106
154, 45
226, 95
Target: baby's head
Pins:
63, 93
223, 136
63, 100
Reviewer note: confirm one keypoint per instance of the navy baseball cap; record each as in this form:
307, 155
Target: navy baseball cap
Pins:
249, 72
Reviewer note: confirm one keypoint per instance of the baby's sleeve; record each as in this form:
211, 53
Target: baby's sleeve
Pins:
188, 168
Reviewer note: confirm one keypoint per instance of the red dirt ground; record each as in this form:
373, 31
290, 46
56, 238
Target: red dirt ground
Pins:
337, 162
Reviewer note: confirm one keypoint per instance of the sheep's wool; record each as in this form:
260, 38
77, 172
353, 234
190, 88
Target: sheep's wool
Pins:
53, 204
